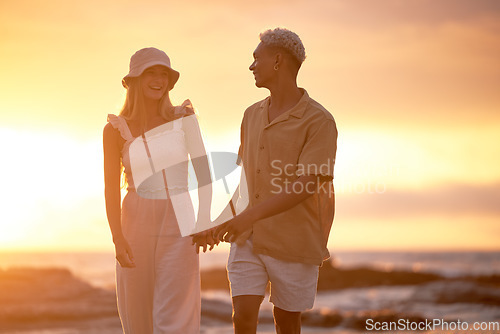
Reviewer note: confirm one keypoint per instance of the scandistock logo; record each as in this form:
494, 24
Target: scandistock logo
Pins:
169, 162
159, 162
223, 164
175, 178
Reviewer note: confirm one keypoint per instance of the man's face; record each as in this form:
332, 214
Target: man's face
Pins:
263, 65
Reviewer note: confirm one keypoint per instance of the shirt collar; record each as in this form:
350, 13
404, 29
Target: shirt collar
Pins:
296, 111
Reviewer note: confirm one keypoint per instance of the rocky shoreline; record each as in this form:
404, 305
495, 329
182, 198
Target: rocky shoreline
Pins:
333, 278
54, 298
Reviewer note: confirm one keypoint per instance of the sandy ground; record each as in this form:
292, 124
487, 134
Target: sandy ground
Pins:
107, 327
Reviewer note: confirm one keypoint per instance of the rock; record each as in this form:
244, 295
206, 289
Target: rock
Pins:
214, 279
30, 284
53, 294
331, 278
216, 309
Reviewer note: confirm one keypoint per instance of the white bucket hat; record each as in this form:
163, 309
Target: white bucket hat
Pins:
147, 57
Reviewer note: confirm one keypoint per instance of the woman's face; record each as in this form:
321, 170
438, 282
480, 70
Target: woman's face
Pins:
154, 82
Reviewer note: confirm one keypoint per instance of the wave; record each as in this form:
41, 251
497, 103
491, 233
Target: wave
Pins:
450, 292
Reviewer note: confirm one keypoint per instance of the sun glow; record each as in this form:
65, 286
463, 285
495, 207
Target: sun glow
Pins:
47, 179
414, 96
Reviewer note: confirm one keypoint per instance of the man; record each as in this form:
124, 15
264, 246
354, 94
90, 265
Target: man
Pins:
288, 146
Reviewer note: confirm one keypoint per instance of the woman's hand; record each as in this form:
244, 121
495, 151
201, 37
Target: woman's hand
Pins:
205, 239
123, 252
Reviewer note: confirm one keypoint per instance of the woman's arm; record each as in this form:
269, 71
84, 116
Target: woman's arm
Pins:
112, 195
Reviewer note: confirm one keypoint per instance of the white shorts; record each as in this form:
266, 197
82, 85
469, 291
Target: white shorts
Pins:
293, 284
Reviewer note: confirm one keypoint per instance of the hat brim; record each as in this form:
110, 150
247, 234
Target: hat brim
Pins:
173, 75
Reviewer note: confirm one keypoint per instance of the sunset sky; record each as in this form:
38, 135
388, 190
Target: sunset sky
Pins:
414, 87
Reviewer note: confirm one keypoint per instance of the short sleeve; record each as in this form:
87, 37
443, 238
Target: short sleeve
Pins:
317, 156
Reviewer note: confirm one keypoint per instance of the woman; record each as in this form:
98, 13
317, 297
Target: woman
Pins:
157, 271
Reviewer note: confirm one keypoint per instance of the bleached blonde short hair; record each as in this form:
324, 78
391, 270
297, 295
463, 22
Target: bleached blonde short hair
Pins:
285, 39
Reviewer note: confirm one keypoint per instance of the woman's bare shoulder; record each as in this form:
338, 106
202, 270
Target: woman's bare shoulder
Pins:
110, 131
111, 136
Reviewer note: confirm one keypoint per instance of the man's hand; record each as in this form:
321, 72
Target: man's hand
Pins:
235, 228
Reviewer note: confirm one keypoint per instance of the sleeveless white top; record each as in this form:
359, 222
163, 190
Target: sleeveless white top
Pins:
156, 165
160, 154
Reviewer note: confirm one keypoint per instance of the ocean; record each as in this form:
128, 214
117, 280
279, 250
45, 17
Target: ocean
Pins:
464, 288
98, 267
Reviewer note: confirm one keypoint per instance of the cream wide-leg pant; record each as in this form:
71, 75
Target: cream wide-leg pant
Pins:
162, 293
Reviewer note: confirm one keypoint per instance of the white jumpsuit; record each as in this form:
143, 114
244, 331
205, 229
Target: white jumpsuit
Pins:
162, 293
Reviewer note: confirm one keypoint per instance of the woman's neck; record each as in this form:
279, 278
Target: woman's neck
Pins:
151, 108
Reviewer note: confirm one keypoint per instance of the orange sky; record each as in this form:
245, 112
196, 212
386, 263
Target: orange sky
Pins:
412, 85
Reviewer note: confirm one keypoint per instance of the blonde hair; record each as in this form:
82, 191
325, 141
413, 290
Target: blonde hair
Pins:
285, 39
133, 107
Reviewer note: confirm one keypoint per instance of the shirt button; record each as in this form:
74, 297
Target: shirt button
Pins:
257, 196
262, 147
258, 171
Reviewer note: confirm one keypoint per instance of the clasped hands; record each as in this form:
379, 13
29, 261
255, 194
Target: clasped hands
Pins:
234, 230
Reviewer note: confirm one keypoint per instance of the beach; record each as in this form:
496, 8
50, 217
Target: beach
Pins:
46, 294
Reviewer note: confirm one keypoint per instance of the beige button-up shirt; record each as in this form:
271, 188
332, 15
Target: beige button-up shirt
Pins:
301, 141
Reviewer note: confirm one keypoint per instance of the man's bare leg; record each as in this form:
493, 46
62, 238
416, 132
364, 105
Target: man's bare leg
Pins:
246, 313
286, 322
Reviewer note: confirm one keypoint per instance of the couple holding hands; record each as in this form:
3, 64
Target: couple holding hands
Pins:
278, 220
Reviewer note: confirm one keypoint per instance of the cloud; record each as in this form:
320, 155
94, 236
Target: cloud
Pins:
446, 201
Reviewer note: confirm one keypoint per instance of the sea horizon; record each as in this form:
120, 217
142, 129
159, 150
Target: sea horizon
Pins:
98, 267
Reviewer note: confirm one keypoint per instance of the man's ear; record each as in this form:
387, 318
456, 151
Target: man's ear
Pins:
278, 59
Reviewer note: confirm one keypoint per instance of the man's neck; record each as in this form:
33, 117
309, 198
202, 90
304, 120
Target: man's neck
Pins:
283, 98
